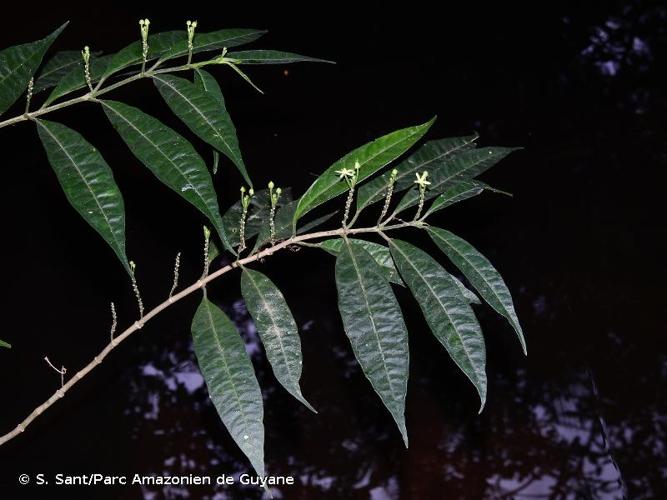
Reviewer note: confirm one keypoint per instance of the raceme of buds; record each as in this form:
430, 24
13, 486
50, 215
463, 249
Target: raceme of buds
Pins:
191, 26
144, 25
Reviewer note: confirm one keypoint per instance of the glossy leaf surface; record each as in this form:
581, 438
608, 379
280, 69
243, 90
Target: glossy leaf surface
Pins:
425, 158
456, 192
18, 65
374, 324
465, 165
88, 183
204, 115
59, 66
371, 158
169, 156
447, 312
380, 254
230, 380
276, 328
270, 57
481, 273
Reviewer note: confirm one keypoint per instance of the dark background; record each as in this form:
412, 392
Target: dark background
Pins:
580, 245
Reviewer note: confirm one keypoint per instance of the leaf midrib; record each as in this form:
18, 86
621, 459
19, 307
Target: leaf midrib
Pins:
280, 340
208, 122
367, 161
449, 318
69, 157
370, 315
226, 366
194, 187
421, 165
486, 282
13, 70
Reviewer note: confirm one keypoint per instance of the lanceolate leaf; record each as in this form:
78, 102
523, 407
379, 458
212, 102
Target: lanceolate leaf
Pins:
459, 191
374, 324
269, 57
447, 312
380, 254
428, 156
5, 344
205, 81
17, 66
481, 273
87, 182
58, 67
276, 328
230, 379
371, 157
465, 165
169, 156
203, 113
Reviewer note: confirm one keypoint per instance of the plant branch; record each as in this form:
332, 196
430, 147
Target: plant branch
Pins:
199, 284
97, 91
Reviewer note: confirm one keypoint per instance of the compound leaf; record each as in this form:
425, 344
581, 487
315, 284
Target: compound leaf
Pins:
481, 273
230, 379
88, 183
374, 324
276, 328
447, 311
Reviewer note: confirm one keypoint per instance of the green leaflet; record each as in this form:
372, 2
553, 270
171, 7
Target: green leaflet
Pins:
87, 182
380, 254
230, 379
276, 328
269, 57
17, 66
371, 157
481, 273
203, 114
60, 65
5, 344
374, 324
169, 156
465, 165
447, 312
205, 80
426, 157
459, 191
171, 44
